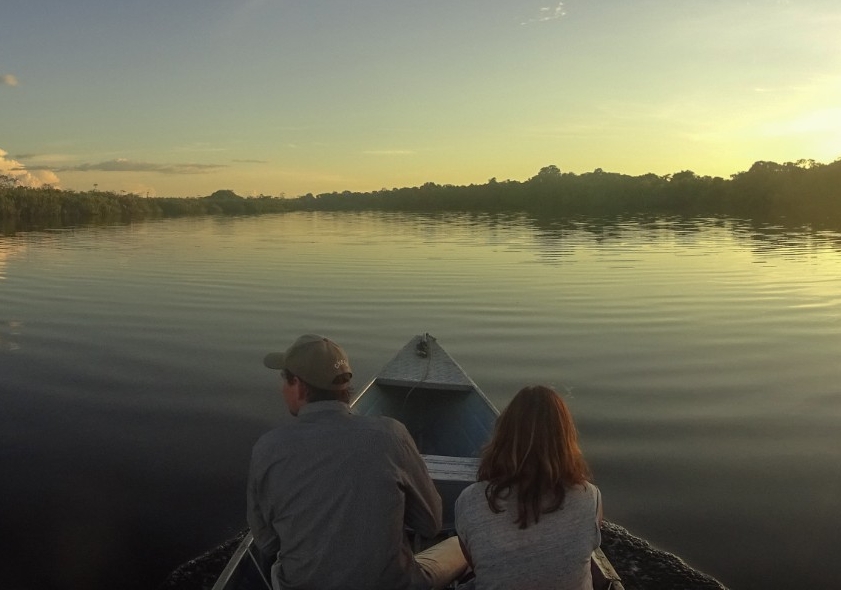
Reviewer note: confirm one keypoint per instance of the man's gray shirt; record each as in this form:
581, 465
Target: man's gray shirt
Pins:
330, 493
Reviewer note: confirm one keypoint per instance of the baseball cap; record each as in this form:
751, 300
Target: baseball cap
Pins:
315, 359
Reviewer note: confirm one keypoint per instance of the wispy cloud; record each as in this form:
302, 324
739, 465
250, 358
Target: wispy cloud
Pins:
24, 176
202, 147
9, 80
546, 14
251, 161
126, 165
388, 152
47, 159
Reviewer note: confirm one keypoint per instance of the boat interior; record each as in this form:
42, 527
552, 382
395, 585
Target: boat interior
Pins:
442, 422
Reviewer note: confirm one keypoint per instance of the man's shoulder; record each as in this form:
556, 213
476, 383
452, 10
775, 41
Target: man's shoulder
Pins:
383, 422
383, 425
270, 439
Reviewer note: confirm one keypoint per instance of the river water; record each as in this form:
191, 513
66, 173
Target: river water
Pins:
700, 358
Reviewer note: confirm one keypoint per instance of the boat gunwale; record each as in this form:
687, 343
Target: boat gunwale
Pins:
470, 385
234, 563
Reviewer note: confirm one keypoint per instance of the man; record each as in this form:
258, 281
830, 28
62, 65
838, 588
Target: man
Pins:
331, 492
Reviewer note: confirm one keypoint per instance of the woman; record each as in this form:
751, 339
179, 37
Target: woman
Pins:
532, 519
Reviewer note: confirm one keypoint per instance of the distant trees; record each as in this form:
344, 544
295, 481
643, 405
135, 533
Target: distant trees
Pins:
27, 208
547, 174
802, 191
797, 192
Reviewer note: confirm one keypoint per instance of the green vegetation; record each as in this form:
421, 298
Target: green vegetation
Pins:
32, 208
803, 192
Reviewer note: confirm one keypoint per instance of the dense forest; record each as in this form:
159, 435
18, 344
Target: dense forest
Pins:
801, 193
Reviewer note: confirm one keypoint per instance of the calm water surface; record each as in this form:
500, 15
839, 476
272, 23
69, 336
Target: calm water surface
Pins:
701, 360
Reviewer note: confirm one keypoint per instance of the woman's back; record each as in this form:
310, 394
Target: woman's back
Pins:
553, 553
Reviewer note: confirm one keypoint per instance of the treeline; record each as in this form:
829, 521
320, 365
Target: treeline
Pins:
801, 192
794, 192
29, 208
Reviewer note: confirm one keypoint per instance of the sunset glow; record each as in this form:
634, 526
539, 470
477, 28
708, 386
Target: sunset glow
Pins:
271, 97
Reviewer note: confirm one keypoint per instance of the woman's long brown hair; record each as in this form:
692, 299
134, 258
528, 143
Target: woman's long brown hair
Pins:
534, 452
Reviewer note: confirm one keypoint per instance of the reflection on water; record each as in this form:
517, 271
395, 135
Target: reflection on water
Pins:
10, 327
9, 333
700, 358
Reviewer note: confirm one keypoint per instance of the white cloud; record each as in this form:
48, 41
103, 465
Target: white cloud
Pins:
23, 177
546, 14
9, 80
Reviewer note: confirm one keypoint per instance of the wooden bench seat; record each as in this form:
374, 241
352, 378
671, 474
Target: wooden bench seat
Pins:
443, 468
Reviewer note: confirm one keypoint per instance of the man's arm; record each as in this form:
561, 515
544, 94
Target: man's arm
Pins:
423, 504
265, 537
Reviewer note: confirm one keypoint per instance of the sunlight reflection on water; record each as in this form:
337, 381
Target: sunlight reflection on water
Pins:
700, 358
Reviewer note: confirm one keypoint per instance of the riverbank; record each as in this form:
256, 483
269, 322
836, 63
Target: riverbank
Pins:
795, 194
640, 565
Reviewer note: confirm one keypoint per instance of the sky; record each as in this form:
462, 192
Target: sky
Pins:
287, 97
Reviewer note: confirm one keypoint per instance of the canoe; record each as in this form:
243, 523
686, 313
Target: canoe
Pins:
450, 419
